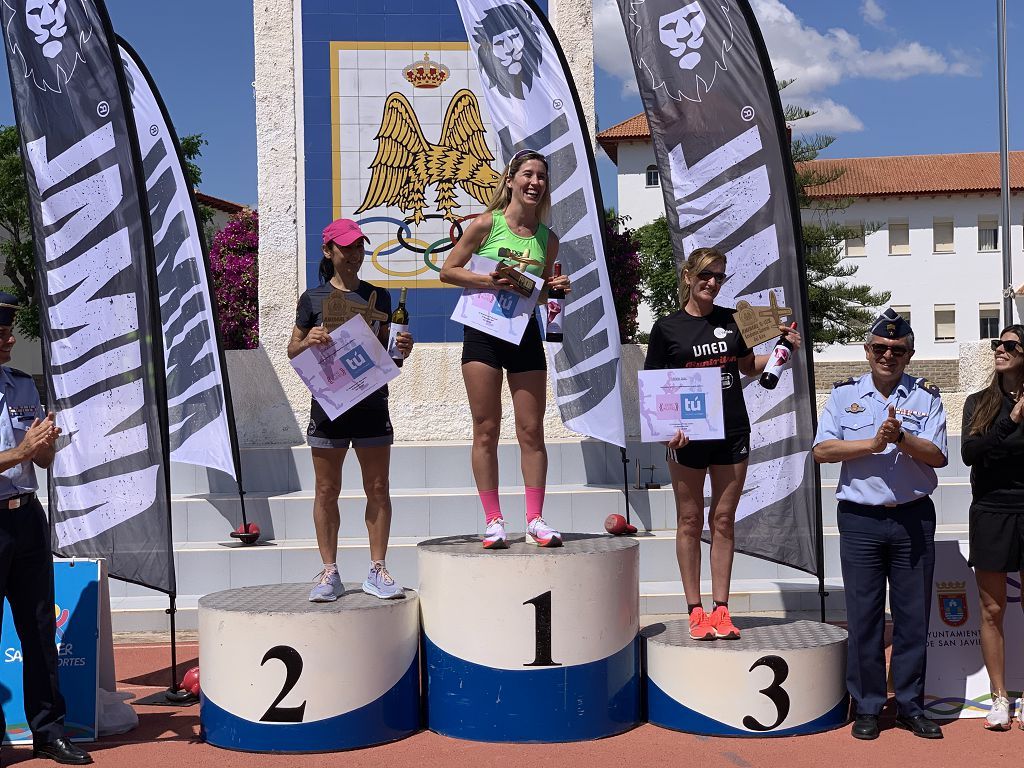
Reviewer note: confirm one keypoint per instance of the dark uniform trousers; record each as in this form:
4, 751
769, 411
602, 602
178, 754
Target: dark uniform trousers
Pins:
26, 580
894, 544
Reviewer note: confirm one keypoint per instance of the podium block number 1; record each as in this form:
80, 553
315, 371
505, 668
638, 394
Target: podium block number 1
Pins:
293, 670
542, 613
775, 692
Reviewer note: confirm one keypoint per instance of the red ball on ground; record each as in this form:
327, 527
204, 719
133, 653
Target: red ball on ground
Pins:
190, 682
617, 525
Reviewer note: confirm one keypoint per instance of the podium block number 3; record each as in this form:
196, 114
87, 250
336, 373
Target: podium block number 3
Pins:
542, 613
775, 692
293, 669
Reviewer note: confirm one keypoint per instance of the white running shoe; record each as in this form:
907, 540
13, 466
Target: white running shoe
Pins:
1020, 713
494, 536
380, 583
998, 717
543, 534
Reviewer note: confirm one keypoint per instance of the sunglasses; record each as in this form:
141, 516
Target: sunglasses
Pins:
1009, 345
879, 350
706, 274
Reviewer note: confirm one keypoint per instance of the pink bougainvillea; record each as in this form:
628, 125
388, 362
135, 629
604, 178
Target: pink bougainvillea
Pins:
623, 262
233, 262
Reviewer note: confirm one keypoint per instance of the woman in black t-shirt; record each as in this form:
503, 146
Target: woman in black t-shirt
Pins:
992, 445
702, 335
366, 427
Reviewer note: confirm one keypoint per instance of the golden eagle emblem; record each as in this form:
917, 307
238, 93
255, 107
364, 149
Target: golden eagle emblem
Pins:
406, 163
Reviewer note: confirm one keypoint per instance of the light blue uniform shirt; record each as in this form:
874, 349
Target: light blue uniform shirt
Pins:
855, 410
19, 406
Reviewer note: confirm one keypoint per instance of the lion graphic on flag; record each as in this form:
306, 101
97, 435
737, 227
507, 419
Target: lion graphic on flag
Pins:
406, 163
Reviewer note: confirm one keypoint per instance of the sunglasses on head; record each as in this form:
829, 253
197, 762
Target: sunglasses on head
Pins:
1009, 345
879, 350
707, 274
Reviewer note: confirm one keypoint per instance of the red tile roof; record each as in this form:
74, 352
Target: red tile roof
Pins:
217, 203
976, 172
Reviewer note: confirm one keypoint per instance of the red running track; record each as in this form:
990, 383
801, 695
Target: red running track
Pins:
170, 737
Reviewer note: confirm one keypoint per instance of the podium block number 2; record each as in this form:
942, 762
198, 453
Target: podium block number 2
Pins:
542, 613
775, 692
293, 669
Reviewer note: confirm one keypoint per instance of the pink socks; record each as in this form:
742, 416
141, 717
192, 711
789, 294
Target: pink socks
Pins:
534, 503
492, 507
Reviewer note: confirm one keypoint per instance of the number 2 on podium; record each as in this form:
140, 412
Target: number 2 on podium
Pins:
542, 613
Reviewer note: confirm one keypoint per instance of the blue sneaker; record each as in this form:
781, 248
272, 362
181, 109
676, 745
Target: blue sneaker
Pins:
379, 583
327, 587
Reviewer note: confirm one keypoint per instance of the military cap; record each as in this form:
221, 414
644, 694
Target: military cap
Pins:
9, 304
890, 325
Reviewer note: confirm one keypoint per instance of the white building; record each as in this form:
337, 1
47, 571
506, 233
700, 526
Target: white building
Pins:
936, 241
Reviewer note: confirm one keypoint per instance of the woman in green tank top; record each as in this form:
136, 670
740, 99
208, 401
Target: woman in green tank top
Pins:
512, 221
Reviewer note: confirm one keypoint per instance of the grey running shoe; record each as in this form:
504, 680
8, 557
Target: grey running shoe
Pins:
379, 583
327, 587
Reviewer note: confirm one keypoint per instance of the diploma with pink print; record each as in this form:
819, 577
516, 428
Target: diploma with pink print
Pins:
500, 312
689, 399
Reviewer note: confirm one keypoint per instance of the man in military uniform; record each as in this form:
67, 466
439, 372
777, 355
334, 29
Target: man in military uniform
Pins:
889, 431
27, 437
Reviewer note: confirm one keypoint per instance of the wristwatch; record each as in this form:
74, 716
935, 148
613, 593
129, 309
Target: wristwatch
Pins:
900, 438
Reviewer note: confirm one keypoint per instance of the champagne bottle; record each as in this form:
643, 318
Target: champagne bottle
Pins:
556, 309
399, 324
780, 358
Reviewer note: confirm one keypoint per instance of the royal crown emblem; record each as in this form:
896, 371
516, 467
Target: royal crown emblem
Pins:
426, 73
406, 163
952, 597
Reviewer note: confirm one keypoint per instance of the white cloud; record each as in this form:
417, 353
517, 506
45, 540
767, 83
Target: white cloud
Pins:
873, 13
828, 117
817, 60
611, 52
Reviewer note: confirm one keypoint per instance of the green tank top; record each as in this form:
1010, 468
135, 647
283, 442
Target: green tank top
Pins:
527, 254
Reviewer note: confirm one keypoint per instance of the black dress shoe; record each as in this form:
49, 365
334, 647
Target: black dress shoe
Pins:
919, 725
63, 751
865, 727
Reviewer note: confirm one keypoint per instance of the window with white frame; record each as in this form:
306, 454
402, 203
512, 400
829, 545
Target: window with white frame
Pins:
854, 245
945, 322
903, 310
988, 321
988, 233
652, 180
942, 235
899, 237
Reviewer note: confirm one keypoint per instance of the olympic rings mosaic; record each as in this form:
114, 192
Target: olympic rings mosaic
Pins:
404, 240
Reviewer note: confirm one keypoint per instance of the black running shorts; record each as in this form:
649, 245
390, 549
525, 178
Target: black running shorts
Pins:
528, 355
701, 454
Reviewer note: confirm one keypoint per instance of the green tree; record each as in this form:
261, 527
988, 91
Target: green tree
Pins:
17, 248
841, 310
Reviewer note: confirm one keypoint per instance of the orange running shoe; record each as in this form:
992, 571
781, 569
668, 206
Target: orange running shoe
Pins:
722, 623
700, 625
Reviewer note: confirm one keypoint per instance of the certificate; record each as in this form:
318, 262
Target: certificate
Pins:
347, 369
689, 399
500, 312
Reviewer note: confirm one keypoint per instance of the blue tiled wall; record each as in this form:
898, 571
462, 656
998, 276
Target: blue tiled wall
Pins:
324, 21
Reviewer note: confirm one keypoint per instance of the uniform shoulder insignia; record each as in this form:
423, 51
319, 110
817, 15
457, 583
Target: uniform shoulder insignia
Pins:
927, 386
844, 382
16, 372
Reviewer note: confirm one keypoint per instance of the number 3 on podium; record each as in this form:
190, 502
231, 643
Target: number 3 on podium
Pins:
775, 692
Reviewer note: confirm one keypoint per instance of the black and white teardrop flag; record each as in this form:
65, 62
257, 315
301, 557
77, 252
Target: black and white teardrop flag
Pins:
723, 154
109, 484
534, 105
197, 394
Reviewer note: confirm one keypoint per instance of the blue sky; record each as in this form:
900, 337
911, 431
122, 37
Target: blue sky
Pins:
888, 77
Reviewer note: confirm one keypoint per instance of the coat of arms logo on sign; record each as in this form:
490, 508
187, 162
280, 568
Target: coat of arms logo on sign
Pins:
952, 602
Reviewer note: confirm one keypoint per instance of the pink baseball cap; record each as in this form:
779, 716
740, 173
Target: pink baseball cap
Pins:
343, 232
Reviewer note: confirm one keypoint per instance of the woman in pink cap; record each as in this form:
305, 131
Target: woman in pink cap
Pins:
366, 427
512, 221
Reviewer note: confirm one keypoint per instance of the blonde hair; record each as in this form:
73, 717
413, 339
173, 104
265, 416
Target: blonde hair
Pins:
503, 194
700, 259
